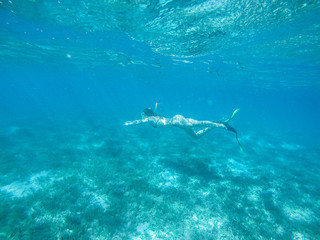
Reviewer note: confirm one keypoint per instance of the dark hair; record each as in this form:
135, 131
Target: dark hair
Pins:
148, 112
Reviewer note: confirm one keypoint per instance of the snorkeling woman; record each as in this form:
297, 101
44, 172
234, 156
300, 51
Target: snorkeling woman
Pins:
187, 124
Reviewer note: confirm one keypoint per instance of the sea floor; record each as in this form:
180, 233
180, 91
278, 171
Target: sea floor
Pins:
105, 182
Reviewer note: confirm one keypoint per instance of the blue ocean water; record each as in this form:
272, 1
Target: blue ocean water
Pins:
73, 72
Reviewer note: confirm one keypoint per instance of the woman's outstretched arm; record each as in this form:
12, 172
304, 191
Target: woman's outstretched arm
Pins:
135, 122
155, 121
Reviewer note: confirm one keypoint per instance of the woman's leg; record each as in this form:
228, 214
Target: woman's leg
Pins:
204, 131
199, 133
207, 124
182, 122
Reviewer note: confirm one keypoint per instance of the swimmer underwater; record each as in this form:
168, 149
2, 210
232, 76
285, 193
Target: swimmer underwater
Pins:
187, 124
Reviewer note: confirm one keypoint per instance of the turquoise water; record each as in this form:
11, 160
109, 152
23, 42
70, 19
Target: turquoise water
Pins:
72, 72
